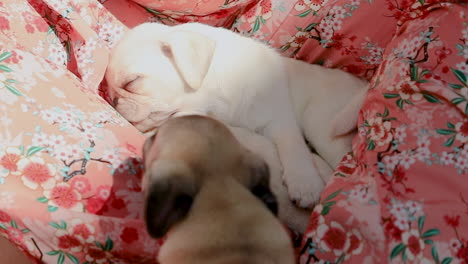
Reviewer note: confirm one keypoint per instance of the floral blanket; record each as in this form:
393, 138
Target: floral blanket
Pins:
69, 164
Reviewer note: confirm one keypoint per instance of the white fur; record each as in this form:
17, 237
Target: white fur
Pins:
198, 69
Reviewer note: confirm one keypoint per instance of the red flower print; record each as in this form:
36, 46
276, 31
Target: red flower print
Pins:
392, 231
379, 131
63, 195
94, 205
4, 23
36, 172
443, 52
355, 243
265, 6
103, 192
129, 235
81, 184
118, 203
4, 217
452, 221
221, 14
29, 28
96, 255
15, 236
414, 244
9, 160
40, 24
316, 219
462, 254
68, 242
333, 238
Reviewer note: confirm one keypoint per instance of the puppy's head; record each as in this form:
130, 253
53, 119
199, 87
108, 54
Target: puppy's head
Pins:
184, 154
155, 71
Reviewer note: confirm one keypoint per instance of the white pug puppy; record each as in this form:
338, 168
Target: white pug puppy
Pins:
156, 72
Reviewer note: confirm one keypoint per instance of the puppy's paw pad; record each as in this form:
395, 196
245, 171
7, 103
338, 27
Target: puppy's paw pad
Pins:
305, 195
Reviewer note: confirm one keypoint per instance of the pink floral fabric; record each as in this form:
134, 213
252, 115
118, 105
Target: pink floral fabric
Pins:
69, 164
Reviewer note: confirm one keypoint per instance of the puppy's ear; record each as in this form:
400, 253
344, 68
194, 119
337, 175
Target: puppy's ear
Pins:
169, 197
260, 182
191, 54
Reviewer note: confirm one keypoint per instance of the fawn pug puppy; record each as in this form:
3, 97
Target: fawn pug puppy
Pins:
157, 72
210, 196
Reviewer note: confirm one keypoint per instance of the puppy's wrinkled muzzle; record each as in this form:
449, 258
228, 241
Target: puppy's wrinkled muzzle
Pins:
267, 197
165, 206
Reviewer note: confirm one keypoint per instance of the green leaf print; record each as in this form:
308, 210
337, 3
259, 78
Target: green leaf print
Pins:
5, 68
13, 90
455, 86
397, 250
390, 95
399, 103
256, 26
421, 222
446, 260
61, 258
2, 226
435, 255
72, 258
310, 27
42, 199
33, 150
109, 245
371, 145
304, 14
325, 210
445, 131
449, 141
5, 55
458, 100
430, 98
460, 75
53, 253
332, 195
430, 232
51, 208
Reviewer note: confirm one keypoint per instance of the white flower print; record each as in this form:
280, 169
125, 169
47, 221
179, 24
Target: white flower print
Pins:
413, 207
400, 133
462, 131
379, 131
7, 199
111, 156
391, 161
56, 140
461, 163
40, 139
338, 12
447, 158
407, 159
423, 154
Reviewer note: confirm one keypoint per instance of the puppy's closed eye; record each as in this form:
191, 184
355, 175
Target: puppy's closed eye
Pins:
129, 85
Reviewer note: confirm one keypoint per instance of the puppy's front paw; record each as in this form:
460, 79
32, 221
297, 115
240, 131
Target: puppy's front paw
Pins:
304, 187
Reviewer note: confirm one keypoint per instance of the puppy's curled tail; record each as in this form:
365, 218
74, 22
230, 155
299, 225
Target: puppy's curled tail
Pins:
346, 120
